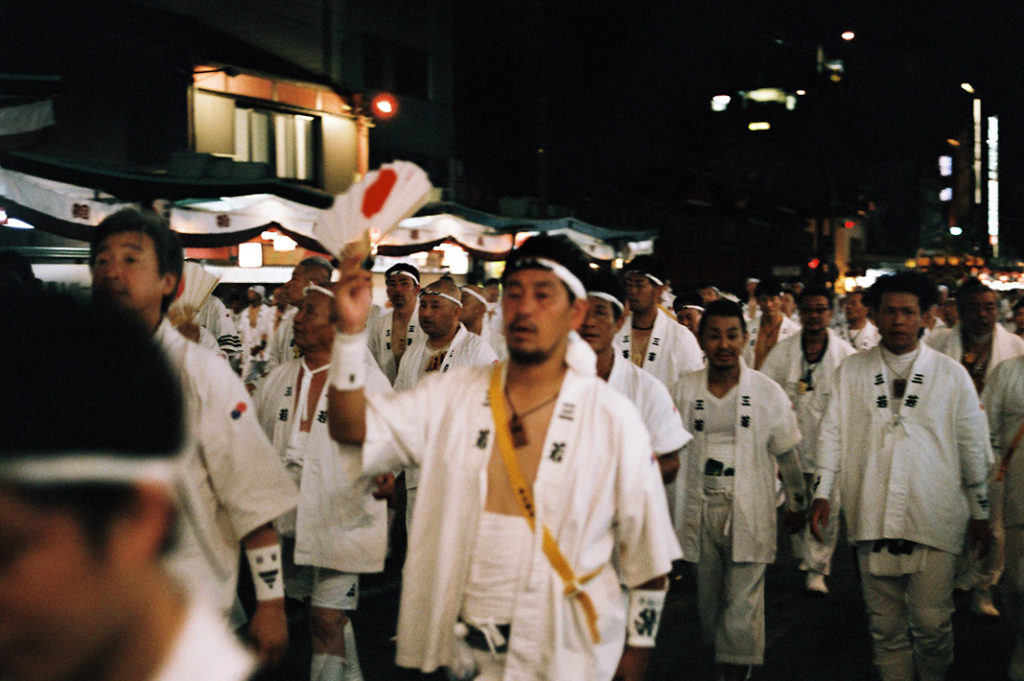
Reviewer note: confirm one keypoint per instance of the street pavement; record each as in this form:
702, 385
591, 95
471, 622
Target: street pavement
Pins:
809, 638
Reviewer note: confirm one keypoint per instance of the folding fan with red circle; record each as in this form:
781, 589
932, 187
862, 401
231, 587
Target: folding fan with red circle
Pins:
379, 202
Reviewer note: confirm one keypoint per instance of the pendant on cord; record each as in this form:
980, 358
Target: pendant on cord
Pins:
519, 438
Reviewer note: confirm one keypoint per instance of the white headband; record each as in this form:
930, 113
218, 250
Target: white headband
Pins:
560, 271
318, 289
648, 275
89, 467
607, 296
428, 292
408, 274
466, 289
698, 308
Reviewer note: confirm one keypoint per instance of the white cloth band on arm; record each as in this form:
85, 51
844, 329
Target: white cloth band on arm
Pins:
823, 483
645, 606
267, 577
348, 369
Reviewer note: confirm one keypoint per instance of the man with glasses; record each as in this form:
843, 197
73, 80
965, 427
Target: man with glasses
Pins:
805, 366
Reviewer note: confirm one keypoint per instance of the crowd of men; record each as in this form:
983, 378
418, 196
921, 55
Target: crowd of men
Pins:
561, 437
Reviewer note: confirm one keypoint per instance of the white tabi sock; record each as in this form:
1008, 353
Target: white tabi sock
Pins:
352, 670
325, 667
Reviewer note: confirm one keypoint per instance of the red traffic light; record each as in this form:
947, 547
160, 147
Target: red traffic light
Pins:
814, 263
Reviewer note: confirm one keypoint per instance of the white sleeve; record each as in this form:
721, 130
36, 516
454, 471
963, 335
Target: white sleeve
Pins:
828, 447
244, 470
972, 441
645, 541
397, 425
662, 419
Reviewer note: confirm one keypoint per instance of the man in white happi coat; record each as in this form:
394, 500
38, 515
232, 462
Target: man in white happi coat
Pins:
858, 330
980, 344
771, 327
907, 441
312, 270
743, 429
234, 481
652, 340
474, 318
1004, 405
88, 461
978, 341
805, 366
256, 331
688, 307
218, 320
605, 315
391, 333
339, 529
529, 571
445, 343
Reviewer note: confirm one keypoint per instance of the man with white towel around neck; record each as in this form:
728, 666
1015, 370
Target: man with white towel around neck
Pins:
905, 438
339, 530
524, 570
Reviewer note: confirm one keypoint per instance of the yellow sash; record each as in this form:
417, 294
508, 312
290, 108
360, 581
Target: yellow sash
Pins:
523, 494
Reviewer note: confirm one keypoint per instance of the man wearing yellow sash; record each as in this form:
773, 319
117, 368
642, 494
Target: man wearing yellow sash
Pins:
539, 492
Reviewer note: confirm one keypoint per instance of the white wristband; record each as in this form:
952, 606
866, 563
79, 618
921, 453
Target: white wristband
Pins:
348, 367
645, 606
267, 577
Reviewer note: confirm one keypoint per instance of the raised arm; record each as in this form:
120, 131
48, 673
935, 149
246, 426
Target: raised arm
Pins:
346, 398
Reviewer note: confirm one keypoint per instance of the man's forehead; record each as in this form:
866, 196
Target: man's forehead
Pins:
808, 301
723, 323
534, 276
900, 299
136, 241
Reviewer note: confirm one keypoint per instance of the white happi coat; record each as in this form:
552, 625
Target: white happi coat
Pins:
1004, 405
1005, 345
379, 341
785, 365
339, 525
466, 350
205, 648
765, 428
282, 346
220, 322
233, 478
788, 328
597, 489
917, 475
672, 351
864, 339
653, 401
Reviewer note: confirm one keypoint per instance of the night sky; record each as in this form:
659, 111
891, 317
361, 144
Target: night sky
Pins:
618, 94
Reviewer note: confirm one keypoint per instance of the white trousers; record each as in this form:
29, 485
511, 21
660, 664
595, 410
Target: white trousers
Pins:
1011, 588
910, 618
730, 595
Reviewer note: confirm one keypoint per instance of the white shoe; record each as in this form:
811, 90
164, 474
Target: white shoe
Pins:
816, 583
981, 604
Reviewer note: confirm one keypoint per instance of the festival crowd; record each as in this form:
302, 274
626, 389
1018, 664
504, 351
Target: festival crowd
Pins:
557, 439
